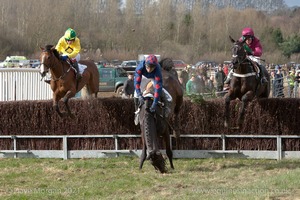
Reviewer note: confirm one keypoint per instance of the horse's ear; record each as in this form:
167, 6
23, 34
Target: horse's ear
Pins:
52, 48
231, 39
42, 48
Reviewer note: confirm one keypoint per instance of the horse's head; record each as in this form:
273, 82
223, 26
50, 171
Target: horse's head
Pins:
48, 54
238, 51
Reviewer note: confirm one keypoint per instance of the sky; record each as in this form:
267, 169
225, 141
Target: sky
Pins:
292, 3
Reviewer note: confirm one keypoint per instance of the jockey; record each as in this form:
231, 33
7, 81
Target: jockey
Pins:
69, 46
253, 49
150, 70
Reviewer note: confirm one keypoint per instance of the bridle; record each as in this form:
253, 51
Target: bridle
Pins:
236, 59
52, 66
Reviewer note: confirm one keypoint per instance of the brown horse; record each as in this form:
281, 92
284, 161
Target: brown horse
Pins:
244, 84
173, 86
63, 78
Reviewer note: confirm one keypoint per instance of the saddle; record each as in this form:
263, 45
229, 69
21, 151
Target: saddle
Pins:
165, 98
255, 64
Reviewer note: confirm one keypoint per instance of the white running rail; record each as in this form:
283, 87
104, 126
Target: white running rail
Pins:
17, 84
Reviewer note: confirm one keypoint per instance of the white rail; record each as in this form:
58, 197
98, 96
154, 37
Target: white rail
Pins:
17, 84
66, 154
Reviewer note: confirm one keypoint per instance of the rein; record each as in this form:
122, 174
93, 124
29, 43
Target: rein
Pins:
52, 67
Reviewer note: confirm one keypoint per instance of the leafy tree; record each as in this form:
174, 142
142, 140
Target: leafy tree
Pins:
277, 36
290, 45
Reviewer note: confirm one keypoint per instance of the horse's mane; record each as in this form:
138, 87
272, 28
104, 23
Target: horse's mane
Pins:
167, 64
49, 47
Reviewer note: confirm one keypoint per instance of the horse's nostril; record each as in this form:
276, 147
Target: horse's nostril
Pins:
43, 74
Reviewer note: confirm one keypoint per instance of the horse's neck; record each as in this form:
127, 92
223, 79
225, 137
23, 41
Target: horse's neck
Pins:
244, 68
59, 69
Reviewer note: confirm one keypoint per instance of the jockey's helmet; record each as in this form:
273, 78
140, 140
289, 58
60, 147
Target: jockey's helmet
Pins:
151, 61
248, 32
70, 34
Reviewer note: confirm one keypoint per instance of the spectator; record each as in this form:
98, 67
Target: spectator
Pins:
184, 77
210, 84
220, 77
278, 84
291, 82
192, 85
200, 80
128, 87
225, 69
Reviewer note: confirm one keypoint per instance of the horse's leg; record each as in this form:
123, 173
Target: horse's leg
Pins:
227, 111
56, 107
177, 130
56, 99
168, 146
68, 95
245, 99
143, 155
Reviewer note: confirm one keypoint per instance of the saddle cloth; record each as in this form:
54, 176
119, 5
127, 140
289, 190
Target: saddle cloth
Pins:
81, 68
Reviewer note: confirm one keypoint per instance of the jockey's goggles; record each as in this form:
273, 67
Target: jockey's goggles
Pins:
247, 37
151, 66
70, 40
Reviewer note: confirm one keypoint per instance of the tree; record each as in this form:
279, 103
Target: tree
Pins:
290, 45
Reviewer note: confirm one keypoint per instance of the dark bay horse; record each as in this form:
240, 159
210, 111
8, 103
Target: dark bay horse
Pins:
173, 86
244, 84
153, 127
63, 78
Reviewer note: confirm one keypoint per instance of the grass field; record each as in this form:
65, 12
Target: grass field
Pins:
120, 178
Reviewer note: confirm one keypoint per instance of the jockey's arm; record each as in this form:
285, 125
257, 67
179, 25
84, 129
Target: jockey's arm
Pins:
76, 48
138, 79
157, 86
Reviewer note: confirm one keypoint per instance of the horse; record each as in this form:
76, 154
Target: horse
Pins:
244, 84
63, 78
154, 126
173, 86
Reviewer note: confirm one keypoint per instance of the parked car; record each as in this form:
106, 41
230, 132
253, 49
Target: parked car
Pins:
15, 61
116, 62
112, 79
208, 63
179, 64
129, 65
34, 63
102, 62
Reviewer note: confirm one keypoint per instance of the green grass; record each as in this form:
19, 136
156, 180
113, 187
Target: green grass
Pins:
120, 178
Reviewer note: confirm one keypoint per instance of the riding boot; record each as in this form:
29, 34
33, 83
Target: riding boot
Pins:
228, 78
136, 113
136, 103
167, 104
263, 77
47, 81
78, 75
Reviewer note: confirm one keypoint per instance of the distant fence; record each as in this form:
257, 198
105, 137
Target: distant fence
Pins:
18, 84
